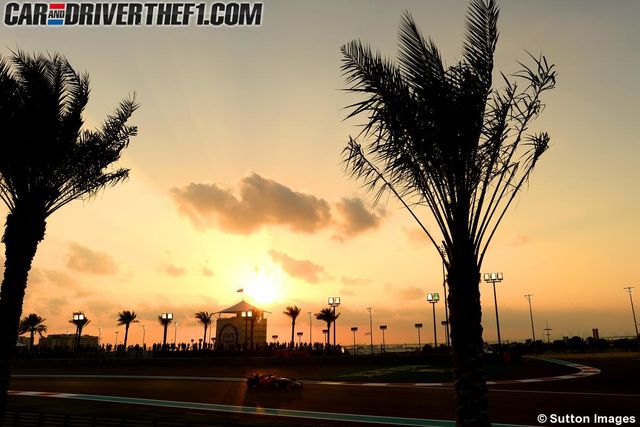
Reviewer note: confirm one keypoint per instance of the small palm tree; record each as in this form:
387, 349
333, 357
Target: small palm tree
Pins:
206, 319
33, 324
165, 322
80, 320
327, 315
293, 313
47, 160
126, 318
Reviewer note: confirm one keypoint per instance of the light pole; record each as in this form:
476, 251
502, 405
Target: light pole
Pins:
433, 299
80, 321
175, 334
325, 332
334, 302
418, 327
310, 341
383, 328
299, 338
354, 329
99, 336
443, 252
247, 315
370, 328
144, 333
533, 330
547, 331
166, 318
116, 345
274, 338
494, 278
629, 290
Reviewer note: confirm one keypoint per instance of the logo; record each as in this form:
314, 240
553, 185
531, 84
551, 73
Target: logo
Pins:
136, 14
56, 14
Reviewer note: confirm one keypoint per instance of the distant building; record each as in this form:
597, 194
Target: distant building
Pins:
66, 342
246, 328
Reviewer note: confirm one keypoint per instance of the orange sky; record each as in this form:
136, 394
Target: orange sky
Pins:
236, 178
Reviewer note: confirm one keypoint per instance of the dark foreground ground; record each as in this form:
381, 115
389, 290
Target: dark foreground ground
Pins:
615, 391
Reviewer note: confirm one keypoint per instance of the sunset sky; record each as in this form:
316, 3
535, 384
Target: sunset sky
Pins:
236, 179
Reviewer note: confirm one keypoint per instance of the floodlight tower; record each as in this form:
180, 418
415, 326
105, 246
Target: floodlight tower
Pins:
494, 278
433, 298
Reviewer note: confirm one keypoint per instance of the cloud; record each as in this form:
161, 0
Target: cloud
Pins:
353, 281
519, 240
354, 217
258, 202
415, 235
39, 278
410, 293
300, 269
207, 272
85, 260
173, 270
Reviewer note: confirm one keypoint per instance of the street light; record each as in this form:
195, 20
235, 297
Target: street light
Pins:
246, 315
383, 328
354, 329
533, 330
334, 302
325, 333
299, 334
443, 252
175, 334
116, 345
310, 341
144, 333
370, 329
80, 321
418, 327
629, 290
433, 298
166, 318
274, 338
494, 278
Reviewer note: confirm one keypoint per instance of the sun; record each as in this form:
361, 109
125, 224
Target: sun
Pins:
263, 288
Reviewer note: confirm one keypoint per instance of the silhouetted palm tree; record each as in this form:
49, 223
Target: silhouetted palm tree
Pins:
293, 313
80, 320
46, 161
33, 324
441, 138
126, 318
206, 319
165, 322
327, 315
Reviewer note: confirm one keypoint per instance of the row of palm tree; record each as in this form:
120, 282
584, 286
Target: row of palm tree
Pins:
326, 314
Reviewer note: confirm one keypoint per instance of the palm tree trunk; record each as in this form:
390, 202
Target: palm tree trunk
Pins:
164, 337
204, 339
126, 335
293, 328
23, 232
328, 334
465, 314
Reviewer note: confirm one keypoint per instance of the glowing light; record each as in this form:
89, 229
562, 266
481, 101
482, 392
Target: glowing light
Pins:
264, 288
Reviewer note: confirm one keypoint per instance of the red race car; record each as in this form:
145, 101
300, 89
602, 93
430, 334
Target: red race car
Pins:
271, 381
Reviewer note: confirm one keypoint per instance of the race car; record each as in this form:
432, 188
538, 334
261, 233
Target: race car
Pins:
271, 381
